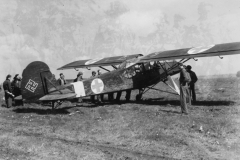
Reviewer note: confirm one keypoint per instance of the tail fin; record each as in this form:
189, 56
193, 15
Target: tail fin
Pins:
35, 81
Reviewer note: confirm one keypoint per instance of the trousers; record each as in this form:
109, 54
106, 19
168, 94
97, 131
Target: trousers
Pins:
184, 98
8, 100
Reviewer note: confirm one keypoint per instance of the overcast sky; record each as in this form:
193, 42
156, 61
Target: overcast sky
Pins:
60, 31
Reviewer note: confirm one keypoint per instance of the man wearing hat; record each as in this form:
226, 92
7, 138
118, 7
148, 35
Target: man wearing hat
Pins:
79, 77
184, 79
192, 83
8, 91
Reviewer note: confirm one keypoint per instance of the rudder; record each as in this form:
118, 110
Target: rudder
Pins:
34, 83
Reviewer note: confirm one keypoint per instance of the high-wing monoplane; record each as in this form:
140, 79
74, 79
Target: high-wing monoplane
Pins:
129, 73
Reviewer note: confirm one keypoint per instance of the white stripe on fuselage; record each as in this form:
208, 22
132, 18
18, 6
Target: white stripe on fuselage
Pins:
79, 89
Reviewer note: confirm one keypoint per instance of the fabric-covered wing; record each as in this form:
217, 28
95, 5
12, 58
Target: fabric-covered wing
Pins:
108, 61
202, 51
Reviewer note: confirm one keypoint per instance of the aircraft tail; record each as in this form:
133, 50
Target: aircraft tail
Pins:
36, 80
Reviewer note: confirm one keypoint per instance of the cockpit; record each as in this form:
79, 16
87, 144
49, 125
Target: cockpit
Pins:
133, 68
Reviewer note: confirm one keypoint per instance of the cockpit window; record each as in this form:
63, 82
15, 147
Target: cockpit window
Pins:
133, 71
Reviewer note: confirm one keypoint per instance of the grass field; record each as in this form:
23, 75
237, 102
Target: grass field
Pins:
151, 129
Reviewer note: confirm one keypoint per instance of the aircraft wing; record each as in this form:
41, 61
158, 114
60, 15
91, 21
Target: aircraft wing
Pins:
202, 51
108, 61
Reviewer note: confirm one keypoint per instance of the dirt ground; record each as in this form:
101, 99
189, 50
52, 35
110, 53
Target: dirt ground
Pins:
151, 129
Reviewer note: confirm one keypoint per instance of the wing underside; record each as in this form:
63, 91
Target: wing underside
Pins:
108, 61
188, 53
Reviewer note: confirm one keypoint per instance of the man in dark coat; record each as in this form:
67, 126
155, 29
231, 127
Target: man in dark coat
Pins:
8, 91
62, 80
192, 83
16, 85
184, 90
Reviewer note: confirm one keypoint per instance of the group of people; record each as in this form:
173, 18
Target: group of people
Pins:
99, 98
12, 89
187, 82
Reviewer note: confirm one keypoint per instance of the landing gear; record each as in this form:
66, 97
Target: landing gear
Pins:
139, 96
58, 104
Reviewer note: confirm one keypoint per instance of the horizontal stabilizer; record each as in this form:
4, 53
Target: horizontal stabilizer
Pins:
52, 97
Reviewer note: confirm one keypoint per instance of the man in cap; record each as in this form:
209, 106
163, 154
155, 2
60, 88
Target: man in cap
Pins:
8, 91
184, 91
192, 83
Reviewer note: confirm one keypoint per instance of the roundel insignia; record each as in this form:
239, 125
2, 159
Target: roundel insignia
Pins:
97, 86
92, 61
200, 49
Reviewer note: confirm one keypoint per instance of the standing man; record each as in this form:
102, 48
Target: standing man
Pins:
8, 91
79, 78
184, 91
192, 83
62, 80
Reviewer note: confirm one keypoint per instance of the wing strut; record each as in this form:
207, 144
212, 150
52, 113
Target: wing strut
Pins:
104, 68
161, 90
195, 59
173, 85
114, 66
